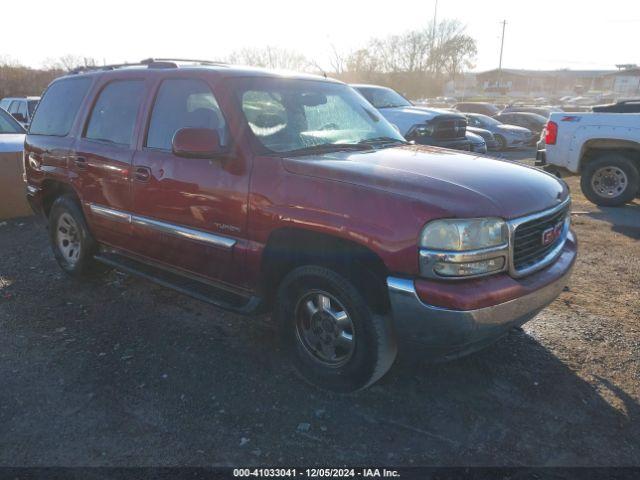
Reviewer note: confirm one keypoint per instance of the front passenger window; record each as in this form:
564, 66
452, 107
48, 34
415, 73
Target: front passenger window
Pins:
183, 103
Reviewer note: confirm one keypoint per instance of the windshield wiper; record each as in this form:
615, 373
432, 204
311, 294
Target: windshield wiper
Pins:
329, 147
383, 140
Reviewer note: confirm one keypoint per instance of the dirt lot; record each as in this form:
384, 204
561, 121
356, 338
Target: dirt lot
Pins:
122, 372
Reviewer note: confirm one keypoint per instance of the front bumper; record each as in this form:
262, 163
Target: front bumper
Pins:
442, 333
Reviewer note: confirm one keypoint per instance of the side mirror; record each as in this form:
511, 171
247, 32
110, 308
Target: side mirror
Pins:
197, 143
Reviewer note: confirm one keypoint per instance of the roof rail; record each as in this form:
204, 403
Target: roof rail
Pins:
151, 61
147, 62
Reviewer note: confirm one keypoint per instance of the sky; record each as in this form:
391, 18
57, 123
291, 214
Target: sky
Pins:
542, 34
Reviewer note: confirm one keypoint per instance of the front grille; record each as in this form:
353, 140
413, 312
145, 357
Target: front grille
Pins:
449, 129
528, 248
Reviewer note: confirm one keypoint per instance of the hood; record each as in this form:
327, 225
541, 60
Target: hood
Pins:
11, 142
406, 117
452, 184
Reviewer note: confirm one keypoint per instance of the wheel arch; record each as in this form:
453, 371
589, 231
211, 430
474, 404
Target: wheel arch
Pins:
592, 148
53, 189
288, 248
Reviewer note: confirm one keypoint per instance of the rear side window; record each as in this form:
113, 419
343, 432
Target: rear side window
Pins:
22, 108
114, 115
59, 107
181, 103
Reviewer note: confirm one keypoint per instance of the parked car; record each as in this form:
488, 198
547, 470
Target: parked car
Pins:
487, 136
259, 192
507, 136
482, 108
542, 111
12, 187
11, 133
22, 108
425, 126
625, 106
603, 148
476, 143
531, 121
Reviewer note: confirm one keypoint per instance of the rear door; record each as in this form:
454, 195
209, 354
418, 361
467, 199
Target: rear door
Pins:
103, 155
188, 212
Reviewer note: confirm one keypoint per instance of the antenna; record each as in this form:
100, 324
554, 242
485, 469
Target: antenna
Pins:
504, 26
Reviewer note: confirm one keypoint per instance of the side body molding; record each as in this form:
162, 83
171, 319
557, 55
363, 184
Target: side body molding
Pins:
164, 227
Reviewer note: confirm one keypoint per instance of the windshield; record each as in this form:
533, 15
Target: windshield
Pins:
8, 124
289, 115
381, 97
485, 120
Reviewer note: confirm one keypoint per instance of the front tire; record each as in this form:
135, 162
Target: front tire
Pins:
71, 242
333, 338
610, 180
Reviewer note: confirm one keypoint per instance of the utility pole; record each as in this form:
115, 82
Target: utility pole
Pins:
504, 25
433, 31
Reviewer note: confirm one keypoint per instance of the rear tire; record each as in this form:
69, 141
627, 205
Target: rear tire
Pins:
610, 180
333, 338
71, 242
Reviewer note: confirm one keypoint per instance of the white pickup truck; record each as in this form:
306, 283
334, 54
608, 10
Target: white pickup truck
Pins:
603, 148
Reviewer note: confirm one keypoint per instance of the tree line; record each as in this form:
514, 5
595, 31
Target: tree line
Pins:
417, 63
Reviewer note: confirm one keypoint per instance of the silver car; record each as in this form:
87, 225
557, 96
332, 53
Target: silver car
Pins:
507, 136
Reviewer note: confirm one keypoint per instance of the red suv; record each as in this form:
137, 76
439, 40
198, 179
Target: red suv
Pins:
258, 191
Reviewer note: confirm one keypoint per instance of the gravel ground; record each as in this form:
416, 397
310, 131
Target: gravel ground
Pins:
121, 372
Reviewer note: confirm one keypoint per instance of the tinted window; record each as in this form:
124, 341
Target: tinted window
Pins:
31, 105
5, 104
13, 108
22, 108
182, 103
114, 115
59, 106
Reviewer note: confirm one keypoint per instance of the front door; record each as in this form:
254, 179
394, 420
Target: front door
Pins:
188, 213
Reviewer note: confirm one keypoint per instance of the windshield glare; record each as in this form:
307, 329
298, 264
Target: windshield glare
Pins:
384, 97
288, 115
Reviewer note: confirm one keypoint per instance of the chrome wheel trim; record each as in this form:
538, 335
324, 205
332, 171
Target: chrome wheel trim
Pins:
324, 329
609, 182
68, 239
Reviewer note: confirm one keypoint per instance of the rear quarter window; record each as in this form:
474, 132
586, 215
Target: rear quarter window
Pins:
59, 106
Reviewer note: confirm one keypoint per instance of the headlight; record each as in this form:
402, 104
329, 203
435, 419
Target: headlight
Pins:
463, 235
421, 130
466, 248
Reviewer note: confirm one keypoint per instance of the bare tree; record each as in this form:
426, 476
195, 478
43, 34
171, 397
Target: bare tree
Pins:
271, 57
69, 62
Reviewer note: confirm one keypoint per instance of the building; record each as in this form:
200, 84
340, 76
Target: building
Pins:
625, 82
544, 83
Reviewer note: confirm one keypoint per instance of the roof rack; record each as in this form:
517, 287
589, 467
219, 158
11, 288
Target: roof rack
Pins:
147, 62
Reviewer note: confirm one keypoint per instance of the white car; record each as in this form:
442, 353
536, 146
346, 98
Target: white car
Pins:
603, 148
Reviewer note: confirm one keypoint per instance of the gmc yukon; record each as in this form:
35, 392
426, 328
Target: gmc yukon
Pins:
260, 192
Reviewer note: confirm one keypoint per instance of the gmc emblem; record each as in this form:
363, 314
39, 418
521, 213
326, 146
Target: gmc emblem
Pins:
550, 235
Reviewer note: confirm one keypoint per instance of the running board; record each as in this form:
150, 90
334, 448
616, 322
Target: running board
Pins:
200, 290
